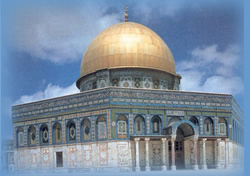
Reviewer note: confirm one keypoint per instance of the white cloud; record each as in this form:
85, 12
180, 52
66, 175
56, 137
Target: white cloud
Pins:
50, 91
226, 61
150, 10
212, 70
59, 34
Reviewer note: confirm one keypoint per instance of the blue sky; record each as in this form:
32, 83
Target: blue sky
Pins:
43, 43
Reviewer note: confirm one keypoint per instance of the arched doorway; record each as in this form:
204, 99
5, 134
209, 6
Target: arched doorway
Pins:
183, 131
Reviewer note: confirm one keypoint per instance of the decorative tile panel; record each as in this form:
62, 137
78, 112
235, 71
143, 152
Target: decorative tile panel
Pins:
123, 154
72, 157
45, 158
103, 154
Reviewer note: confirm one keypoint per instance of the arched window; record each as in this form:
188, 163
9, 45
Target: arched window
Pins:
139, 125
101, 124
194, 120
57, 133
223, 126
208, 126
44, 134
31, 135
156, 125
20, 136
86, 130
71, 134
122, 127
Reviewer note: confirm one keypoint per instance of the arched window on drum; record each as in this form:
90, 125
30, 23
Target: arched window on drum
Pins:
44, 134
209, 126
122, 127
86, 130
57, 133
222, 126
101, 124
156, 125
139, 125
31, 135
71, 131
20, 136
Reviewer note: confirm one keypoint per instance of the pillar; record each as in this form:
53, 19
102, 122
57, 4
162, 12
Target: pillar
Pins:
164, 167
195, 166
137, 167
173, 167
147, 155
218, 166
204, 163
227, 153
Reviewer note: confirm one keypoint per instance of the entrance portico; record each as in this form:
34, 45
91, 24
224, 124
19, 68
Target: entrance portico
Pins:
155, 149
180, 132
179, 148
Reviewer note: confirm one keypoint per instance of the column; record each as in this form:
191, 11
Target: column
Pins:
164, 167
204, 163
218, 166
195, 166
227, 153
147, 155
173, 167
137, 167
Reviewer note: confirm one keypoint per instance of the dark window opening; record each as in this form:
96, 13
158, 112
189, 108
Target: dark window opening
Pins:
59, 159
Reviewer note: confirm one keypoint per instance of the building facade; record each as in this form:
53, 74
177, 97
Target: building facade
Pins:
130, 115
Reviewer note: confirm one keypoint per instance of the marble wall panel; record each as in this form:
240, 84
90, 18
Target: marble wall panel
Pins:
210, 155
187, 154
72, 157
45, 158
156, 154
87, 156
142, 153
112, 153
123, 154
21, 159
103, 154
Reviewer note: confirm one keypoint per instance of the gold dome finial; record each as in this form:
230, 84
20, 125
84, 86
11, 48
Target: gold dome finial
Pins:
126, 14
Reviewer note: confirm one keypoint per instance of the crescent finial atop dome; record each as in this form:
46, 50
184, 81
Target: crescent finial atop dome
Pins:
126, 14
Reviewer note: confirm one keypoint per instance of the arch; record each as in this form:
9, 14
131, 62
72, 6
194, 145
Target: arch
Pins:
101, 128
139, 125
186, 126
208, 126
71, 131
20, 136
223, 126
156, 125
173, 120
44, 134
31, 135
57, 133
194, 120
122, 127
187, 129
86, 130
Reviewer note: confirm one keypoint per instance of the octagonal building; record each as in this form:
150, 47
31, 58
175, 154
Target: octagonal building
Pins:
130, 115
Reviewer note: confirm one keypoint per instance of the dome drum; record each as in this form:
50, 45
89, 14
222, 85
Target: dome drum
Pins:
129, 78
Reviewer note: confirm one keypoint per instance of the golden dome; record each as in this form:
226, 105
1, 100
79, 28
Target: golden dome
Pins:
127, 45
